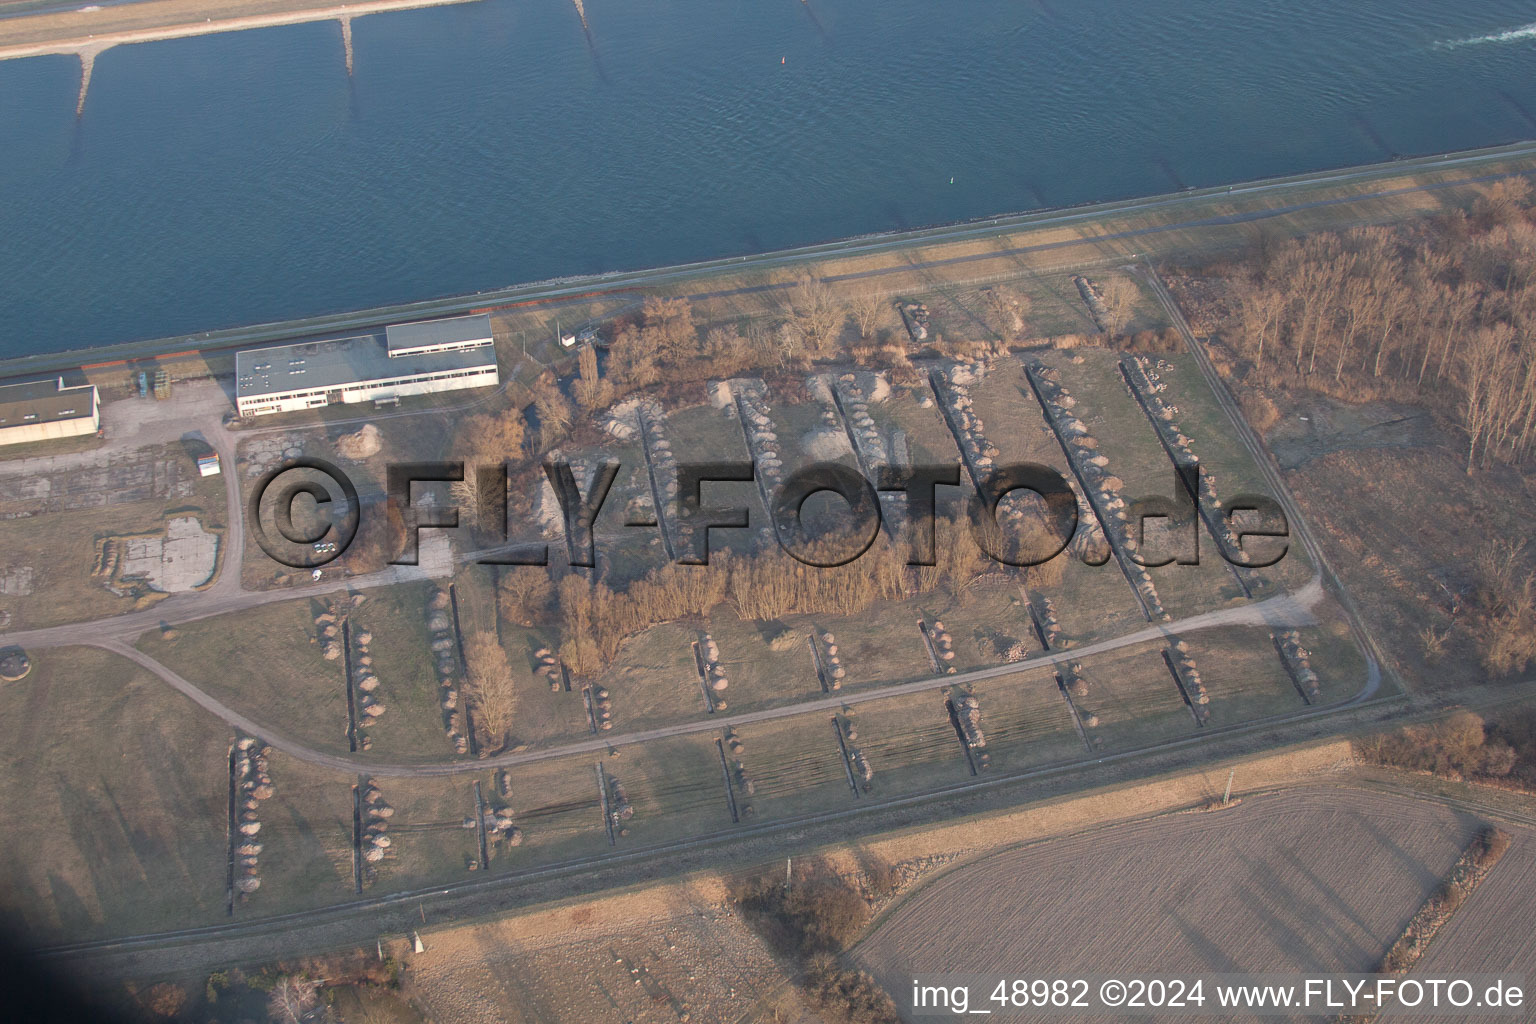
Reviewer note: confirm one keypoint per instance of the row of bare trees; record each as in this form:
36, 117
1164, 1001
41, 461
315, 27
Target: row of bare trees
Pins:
1448, 310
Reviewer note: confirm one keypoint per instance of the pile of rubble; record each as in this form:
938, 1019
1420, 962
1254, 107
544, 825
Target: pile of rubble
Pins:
1298, 660
369, 708
364, 444
739, 776
1194, 687
915, 316
445, 653
619, 807
1073, 680
1144, 378
855, 401
1011, 649
762, 440
500, 829
832, 661
374, 842
1094, 301
1092, 467
252, 785
714, 672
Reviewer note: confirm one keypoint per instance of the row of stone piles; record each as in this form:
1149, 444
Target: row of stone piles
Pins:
548, 667
1194, 686
1094, 301
953, 384
862, 770
328, 629
1146, 382
374, 842
855, 402
968, 713
444, 647
762, 438
366, 682
943, 646
915, 316
602, 707
1092, 466
715, 679
1298, 661
253, 784
739, 774
1050, 625
832, 661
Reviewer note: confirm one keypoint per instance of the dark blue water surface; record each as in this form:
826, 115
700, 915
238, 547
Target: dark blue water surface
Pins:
244, 177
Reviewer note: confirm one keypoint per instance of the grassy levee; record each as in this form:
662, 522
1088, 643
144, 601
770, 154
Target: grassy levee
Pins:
1243, 675
558, 808
114, 794
306, 839
910, 744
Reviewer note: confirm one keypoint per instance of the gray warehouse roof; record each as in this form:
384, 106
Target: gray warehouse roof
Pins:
458, 330
43, 401
332, 365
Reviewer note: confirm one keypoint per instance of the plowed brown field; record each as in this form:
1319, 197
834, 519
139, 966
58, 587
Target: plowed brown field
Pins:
1321, 880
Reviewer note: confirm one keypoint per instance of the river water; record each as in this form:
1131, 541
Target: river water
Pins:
245, 177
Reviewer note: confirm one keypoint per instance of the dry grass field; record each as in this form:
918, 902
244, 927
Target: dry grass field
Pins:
113, 794
649, 957
411, 727
1402, 526
1308, 880
263, 664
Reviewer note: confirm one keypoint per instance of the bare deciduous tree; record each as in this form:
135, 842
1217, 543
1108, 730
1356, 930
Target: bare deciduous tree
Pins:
816, 313
292, 997
491, 686
870, 309
1119, 295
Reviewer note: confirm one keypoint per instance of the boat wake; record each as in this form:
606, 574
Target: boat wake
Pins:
1512, 35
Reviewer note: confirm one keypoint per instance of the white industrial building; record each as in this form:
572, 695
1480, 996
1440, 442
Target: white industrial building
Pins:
43, 410
411, 359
